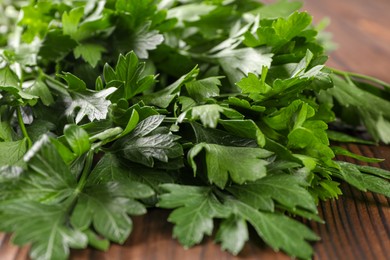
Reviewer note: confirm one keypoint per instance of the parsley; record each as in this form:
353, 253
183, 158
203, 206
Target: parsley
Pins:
214, 109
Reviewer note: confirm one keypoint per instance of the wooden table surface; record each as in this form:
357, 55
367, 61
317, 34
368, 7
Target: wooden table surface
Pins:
357, 224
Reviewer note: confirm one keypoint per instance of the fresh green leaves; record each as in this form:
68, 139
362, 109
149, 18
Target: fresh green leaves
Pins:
357, 101
91, 53
365, 178
238, 63
278, 230
37, 205
196, 208
44, 226
222, 163
128, 76
145, 41
202, 89
36, 20
106, 206
93, 105
282, 8
286, 189
233, 234
237, 87
71, 20
14, 150
209, 114
148, 142
77, 138
12, 93
280, 31
85, 102
165, 96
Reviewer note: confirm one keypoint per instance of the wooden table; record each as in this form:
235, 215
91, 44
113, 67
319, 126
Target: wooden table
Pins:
357, 225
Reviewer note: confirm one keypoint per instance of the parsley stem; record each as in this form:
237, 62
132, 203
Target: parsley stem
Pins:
82, 181
360, 76
170, 119
86, 171
173, 120
227, 95
23, 126
201, 57
55, 84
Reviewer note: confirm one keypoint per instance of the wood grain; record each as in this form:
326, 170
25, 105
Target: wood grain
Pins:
362, 31
357, 224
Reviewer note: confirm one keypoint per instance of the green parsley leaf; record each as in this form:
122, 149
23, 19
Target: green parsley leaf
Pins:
209, 114
36, 19
9, 83
341, 151
106, 208
374, 171
14, 150
8, 77
91, 53
64, 45
5, 131
196, 208
245, 128
202, 89
165, 96
238, 87
342, 137
221, 163
376, 118
280, 31
38, 211
281, 8
283, 188
91, 104
363, 181
252, 84
44, 226
216, 136
277, 230
111, 168
77, 138
238, 63
148, 142
145, 41
40, 89
232, 233
128, 77
71, 20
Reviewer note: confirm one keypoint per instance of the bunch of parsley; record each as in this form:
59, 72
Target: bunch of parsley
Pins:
216, 109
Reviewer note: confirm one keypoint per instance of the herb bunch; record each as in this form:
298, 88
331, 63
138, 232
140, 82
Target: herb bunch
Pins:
216, 109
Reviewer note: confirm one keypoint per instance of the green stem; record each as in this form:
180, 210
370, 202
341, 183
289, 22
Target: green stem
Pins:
360, 76
23, 126
227, 95
71, 201
174, 120
86, 171
170, 119
55, 84
197, 56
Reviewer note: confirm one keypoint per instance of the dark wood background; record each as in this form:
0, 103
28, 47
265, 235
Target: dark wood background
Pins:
357, 224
